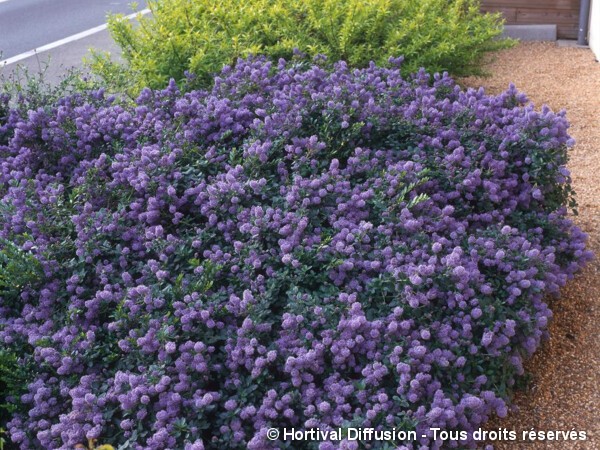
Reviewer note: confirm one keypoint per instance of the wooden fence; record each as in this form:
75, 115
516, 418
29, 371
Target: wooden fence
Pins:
563, 13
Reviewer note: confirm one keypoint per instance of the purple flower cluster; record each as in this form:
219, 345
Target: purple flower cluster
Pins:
295, 248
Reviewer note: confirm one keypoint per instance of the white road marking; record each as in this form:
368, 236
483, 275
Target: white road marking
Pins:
66, 40
2, 1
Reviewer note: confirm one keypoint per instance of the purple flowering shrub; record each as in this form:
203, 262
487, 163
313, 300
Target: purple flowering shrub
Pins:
295, 248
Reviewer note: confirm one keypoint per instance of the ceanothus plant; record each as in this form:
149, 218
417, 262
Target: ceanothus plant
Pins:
294, 248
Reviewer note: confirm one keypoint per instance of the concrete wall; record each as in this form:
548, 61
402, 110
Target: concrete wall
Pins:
594, 36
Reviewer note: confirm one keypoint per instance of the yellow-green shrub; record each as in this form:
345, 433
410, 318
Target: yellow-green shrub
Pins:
202, 36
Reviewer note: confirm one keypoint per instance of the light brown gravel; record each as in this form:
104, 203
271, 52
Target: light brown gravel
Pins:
564, 389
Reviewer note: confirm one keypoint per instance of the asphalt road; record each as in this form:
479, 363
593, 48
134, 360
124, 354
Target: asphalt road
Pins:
29, 24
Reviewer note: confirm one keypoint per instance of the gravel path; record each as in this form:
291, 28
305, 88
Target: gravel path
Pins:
564, 389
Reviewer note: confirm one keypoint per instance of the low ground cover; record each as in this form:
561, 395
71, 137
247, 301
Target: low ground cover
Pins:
293, 248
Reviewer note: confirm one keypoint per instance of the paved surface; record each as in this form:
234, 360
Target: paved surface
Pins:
55, 63
29, 24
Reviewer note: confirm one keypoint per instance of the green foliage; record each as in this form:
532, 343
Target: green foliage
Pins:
202, 36
30, 90
2, 440
18, 269
14, 376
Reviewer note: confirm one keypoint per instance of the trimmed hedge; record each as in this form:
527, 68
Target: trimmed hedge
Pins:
200, 37
295, 248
